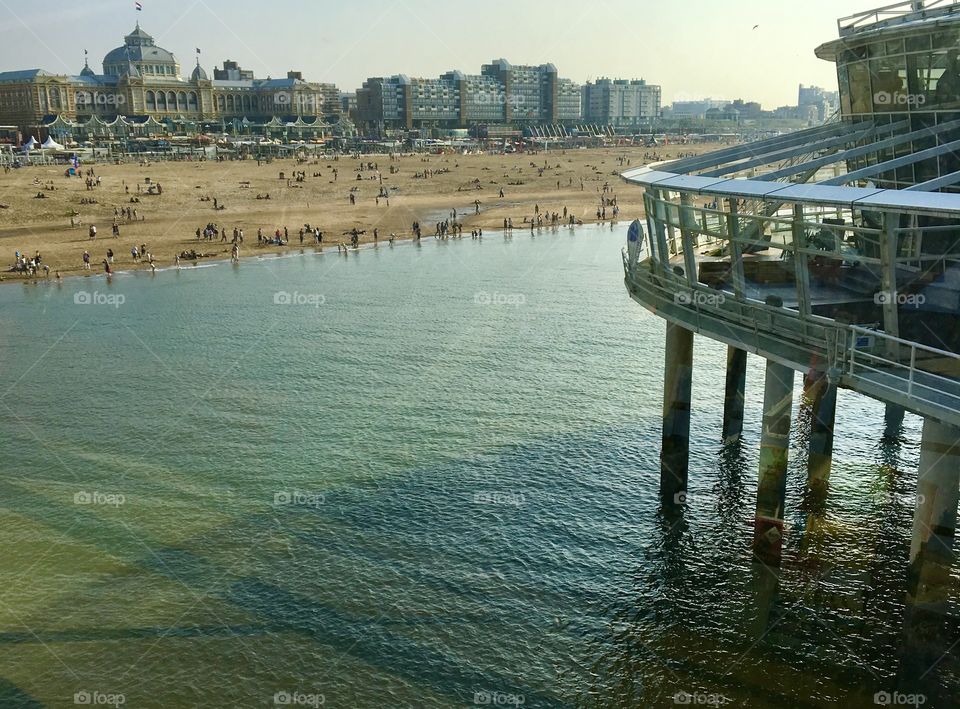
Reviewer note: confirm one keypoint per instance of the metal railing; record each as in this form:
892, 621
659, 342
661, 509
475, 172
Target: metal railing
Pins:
895, 14
866, 360
898, 365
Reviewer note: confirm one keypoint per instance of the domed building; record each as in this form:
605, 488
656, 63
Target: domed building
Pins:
140, 52
142, 85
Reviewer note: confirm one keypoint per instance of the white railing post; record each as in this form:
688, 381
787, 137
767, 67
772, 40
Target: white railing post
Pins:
913, 365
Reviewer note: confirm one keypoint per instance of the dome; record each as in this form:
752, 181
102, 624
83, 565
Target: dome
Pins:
138, 50
156, 55
198, 73
86, 71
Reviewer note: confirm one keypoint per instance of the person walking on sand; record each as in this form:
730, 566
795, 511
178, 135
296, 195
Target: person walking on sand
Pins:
86, 260
93, 231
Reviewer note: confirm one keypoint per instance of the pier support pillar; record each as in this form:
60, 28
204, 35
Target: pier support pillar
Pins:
823, 396
733, 394
677, 378
772, 486
935, 517
892, 421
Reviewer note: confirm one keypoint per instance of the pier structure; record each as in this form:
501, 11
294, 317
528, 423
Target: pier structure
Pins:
834, 253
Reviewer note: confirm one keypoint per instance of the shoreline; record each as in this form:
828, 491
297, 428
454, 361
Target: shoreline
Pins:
295, 251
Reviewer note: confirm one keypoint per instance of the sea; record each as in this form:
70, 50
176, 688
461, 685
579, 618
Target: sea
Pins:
423, 475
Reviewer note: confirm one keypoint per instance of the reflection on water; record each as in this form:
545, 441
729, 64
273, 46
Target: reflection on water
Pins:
415, 496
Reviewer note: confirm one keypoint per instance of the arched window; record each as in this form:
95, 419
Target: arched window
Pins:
161, 101
246, 102
221, 103
171, 101
151, 101
55, 101
181, 101
192, 101
230, 104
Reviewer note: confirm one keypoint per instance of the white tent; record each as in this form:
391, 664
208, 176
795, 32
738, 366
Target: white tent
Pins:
30, 144
51, 144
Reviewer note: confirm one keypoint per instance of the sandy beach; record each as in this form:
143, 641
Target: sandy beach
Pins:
421, 188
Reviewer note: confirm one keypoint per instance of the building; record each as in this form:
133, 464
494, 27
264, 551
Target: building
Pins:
143, 82
619, 102
825, 102
695, 110
501, 93
833, 252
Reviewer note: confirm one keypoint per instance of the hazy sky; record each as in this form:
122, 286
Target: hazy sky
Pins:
692, 48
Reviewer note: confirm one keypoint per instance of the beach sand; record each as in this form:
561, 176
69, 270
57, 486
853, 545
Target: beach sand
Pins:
169, 221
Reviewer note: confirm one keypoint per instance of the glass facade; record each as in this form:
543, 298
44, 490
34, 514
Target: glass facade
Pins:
909, 76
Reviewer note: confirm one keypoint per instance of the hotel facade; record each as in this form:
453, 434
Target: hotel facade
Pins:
142, 83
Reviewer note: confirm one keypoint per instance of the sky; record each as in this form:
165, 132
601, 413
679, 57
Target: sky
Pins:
692, 48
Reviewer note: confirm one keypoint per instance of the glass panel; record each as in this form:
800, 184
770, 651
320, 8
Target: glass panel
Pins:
918, 44
889, 83
844, 84
860, 98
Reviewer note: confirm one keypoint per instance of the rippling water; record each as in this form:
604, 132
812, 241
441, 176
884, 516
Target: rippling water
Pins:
429, 478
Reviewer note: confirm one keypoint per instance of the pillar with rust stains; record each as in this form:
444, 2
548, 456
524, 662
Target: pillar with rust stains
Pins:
677, 382
774, 446
823, 403
935, 517
733, 394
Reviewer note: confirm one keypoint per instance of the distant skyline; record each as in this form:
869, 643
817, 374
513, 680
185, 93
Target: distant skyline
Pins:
692, 48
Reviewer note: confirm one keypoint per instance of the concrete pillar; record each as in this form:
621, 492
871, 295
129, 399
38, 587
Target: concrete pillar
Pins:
823, 398
733, 394
892, 421
677, 378
935, 517
774, 444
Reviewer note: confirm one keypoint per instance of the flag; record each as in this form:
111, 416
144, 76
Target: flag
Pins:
138, 6
198, 50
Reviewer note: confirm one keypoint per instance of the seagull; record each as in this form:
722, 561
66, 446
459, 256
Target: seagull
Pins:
755, 26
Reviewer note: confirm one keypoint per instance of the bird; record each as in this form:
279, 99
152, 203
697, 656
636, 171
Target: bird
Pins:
755, 26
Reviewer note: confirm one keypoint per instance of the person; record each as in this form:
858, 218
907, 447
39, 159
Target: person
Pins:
176, 260
93, 231
110, 255
135, 253
106, 268
86, 260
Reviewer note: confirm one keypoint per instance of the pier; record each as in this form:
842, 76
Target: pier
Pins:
834, 254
